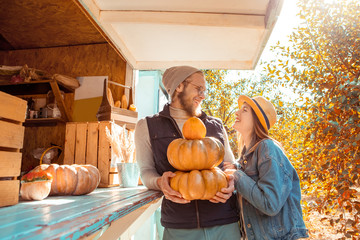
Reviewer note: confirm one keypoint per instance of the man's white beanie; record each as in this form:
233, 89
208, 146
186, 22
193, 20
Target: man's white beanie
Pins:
175, 75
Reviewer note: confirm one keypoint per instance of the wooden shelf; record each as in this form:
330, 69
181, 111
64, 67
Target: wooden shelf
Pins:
43, 122
34, 88
31, 88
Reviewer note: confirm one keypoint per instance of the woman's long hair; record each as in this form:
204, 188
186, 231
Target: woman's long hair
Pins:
259, 134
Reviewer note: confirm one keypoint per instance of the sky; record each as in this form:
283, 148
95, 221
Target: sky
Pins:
287, 20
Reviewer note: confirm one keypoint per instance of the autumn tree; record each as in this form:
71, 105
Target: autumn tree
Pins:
322, 66
223, 92
221, 102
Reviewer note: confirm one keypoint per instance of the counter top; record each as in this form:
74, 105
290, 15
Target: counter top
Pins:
71, 217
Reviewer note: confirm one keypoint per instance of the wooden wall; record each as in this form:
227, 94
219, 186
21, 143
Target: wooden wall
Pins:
43, 137
74, 61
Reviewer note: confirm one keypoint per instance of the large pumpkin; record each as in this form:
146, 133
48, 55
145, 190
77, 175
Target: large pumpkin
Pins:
186, 155
71, 179
197, 184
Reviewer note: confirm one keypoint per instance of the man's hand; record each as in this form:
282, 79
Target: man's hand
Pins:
169, 193
229, 172
225, 193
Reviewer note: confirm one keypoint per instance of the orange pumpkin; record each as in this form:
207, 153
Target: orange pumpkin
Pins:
186, 155
71, 179
197, 184
35, 185
194, 128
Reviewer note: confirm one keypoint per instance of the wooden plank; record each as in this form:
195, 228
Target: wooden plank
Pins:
80, 149
126, 226
104, 155
68, 204
12, 107
71, 217
113, 179
12, 135
129, 79
92, 143
10, 164
60, 101
184, 18
9, 194
69, 151
122, 123
125, 112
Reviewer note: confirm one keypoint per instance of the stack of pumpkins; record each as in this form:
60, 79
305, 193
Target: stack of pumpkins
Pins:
196, 157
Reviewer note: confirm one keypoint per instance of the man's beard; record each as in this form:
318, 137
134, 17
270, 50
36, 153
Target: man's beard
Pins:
187, 105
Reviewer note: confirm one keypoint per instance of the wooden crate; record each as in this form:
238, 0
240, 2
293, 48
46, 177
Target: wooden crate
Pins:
120, 116
86, 143
12, 115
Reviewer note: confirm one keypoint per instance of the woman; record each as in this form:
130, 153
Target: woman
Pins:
267, 185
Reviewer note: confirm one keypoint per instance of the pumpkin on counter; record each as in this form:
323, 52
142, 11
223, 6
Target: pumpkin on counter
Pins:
203, 184
35, 185
71, 179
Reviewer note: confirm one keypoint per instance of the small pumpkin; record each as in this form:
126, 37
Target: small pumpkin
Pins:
71, 179
132, 107
186, 155
194, 128
35, 185
197, 184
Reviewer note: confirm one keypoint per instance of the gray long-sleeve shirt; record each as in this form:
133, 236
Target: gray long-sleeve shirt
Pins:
144, 154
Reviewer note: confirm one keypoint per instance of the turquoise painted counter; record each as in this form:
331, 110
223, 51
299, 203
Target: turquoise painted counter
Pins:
73, 217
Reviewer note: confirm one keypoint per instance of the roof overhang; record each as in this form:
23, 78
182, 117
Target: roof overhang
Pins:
208, 34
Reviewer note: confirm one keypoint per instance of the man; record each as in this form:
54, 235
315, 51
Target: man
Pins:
199, 219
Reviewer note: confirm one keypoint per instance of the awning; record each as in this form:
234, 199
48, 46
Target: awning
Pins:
208, 34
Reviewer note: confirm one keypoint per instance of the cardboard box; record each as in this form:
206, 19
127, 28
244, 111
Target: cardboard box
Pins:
12, 115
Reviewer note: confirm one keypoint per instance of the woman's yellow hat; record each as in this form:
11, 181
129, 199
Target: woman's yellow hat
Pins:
264, 110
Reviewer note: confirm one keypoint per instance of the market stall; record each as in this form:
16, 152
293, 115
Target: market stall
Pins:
100, 41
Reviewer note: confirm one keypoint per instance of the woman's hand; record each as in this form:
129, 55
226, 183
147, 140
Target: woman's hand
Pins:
169, 193
225, 193
229, 165
229, 168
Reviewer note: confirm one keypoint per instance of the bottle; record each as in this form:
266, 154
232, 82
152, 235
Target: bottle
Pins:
56, 111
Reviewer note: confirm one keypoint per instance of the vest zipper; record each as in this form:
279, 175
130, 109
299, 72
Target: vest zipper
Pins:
175, 124
197, 214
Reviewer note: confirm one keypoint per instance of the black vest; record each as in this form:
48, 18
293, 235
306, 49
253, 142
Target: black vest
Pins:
199, 213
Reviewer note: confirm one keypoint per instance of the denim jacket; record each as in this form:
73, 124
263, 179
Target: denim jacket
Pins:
269, 194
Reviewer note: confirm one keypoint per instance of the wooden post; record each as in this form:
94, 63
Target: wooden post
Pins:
60, 101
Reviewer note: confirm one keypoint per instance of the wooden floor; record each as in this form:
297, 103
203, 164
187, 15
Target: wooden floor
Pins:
71, 217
